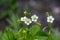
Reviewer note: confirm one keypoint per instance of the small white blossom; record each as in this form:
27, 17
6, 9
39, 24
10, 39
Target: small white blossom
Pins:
23, 18
34, 18
50, 19
28, 21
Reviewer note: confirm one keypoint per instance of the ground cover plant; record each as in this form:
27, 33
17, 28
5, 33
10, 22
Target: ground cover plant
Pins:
28, 28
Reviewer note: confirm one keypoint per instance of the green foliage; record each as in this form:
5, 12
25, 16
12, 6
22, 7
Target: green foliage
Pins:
6, 7
8, 34
17, 30
34, 29
14, 21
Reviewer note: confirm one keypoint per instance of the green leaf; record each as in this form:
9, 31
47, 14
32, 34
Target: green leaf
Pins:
55, 35
42, 33
34, 29
4, 37
8, 34
41, 38
13, 21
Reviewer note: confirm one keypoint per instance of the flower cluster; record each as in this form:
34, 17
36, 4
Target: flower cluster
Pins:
28, 21
34, 18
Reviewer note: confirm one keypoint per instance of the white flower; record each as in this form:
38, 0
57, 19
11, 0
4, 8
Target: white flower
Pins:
28, 21
34, 18
23, 18
50, 19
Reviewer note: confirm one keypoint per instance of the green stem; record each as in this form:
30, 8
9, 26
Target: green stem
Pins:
49, 26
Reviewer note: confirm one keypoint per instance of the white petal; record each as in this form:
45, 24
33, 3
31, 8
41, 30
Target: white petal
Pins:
52, 18
48, 20
30, 21
49, 17
27, 23
22, 19
36, 17
25, 17
31, 16
51, 21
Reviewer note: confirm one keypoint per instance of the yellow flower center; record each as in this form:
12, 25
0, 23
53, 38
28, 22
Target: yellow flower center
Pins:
34, 18
27, 21
50, 19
